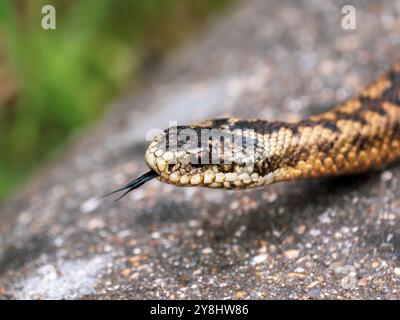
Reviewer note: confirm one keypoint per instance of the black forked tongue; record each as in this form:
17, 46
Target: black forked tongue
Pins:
134, 184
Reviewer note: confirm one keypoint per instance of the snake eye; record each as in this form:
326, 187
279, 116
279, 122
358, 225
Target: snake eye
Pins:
197, 163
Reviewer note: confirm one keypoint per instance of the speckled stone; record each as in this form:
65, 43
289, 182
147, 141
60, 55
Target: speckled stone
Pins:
334, 238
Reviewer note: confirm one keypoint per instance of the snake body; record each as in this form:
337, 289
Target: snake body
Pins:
360, 134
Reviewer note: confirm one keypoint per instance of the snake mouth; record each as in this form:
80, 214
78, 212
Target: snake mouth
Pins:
134, 184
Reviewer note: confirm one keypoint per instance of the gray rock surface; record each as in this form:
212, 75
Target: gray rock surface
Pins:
335, 238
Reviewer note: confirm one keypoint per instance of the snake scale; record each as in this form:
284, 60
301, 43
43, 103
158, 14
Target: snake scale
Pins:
358, 135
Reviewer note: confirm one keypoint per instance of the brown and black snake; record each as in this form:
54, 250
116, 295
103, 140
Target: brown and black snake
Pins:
358, 135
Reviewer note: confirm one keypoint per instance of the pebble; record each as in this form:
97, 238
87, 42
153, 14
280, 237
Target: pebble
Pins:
314, 293
96, 223
207, 250
240, 294
89, 205
315, 232
324, 218
259, 258
301, 229
386, 176
155, 235
126, 273
362, 282
292, 254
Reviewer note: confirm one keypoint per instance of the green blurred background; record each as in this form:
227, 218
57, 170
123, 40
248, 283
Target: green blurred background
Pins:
53, 82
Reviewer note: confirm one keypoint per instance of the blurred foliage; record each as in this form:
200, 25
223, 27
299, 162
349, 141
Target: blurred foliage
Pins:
65, 77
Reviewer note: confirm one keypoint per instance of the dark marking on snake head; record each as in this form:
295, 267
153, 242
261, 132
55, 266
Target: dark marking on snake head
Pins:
372, 105
394, 78
263, 127
220, 122
354, 116
326, 123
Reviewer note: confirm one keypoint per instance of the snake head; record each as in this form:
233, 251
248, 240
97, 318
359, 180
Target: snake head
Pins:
221, 153
201, 156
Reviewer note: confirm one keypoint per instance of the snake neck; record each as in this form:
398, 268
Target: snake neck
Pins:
361, 134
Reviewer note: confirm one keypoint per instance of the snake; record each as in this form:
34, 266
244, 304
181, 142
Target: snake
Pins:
357, 135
